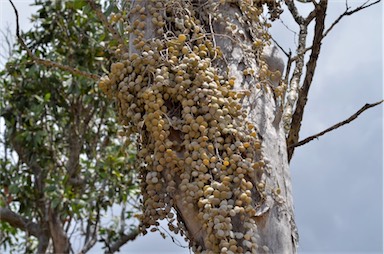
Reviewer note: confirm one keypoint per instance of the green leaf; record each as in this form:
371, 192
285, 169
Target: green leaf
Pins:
111, 8
79, 4
55, 202
13, 188
47, 96
50, 188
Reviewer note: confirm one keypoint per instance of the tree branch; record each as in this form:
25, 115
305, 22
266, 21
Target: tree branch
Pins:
91, 238
294, 82
17, 221
334, 127
43, 242
311, 16
295, 13
48, 63
347, 12
123, 240
281, 48
7, 45
60, 240
297, 116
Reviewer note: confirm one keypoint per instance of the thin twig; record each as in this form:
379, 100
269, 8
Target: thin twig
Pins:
347, 12
7, 45
280, 47
48, 63
350, 119
288, 68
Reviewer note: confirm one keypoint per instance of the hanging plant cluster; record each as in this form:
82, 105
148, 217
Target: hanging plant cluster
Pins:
196, 146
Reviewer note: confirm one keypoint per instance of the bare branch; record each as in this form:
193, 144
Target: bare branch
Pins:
297, 116
291, 30
91, 237
123, 240
281, 48
103, 19
334, 127
294, 82
288, 68
7, 43
310, 16
295, 13
48, 63
349, 12
17, 221
90, 243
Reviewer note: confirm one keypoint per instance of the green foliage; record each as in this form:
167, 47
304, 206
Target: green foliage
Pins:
61, 147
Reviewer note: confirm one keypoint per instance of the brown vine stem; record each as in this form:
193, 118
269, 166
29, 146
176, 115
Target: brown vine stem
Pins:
334, 127
48, 63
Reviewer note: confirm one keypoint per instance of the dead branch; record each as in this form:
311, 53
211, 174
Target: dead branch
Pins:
298, 59
294, 82
297, 116
295, 13
103, 19
334, 127
349, 12
48, 63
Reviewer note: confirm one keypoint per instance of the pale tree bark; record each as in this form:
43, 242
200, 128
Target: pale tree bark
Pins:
275, 218
202, 88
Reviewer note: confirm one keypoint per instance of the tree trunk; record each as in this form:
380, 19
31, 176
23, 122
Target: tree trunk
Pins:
202, 88
59, 238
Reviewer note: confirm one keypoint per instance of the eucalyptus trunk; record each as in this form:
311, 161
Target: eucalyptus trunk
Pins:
201, 84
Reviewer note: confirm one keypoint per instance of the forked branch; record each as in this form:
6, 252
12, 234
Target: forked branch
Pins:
334, 127
349, 12
297, 117
48, 63
318, 14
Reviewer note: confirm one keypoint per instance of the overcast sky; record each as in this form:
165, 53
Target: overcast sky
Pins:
338, 179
